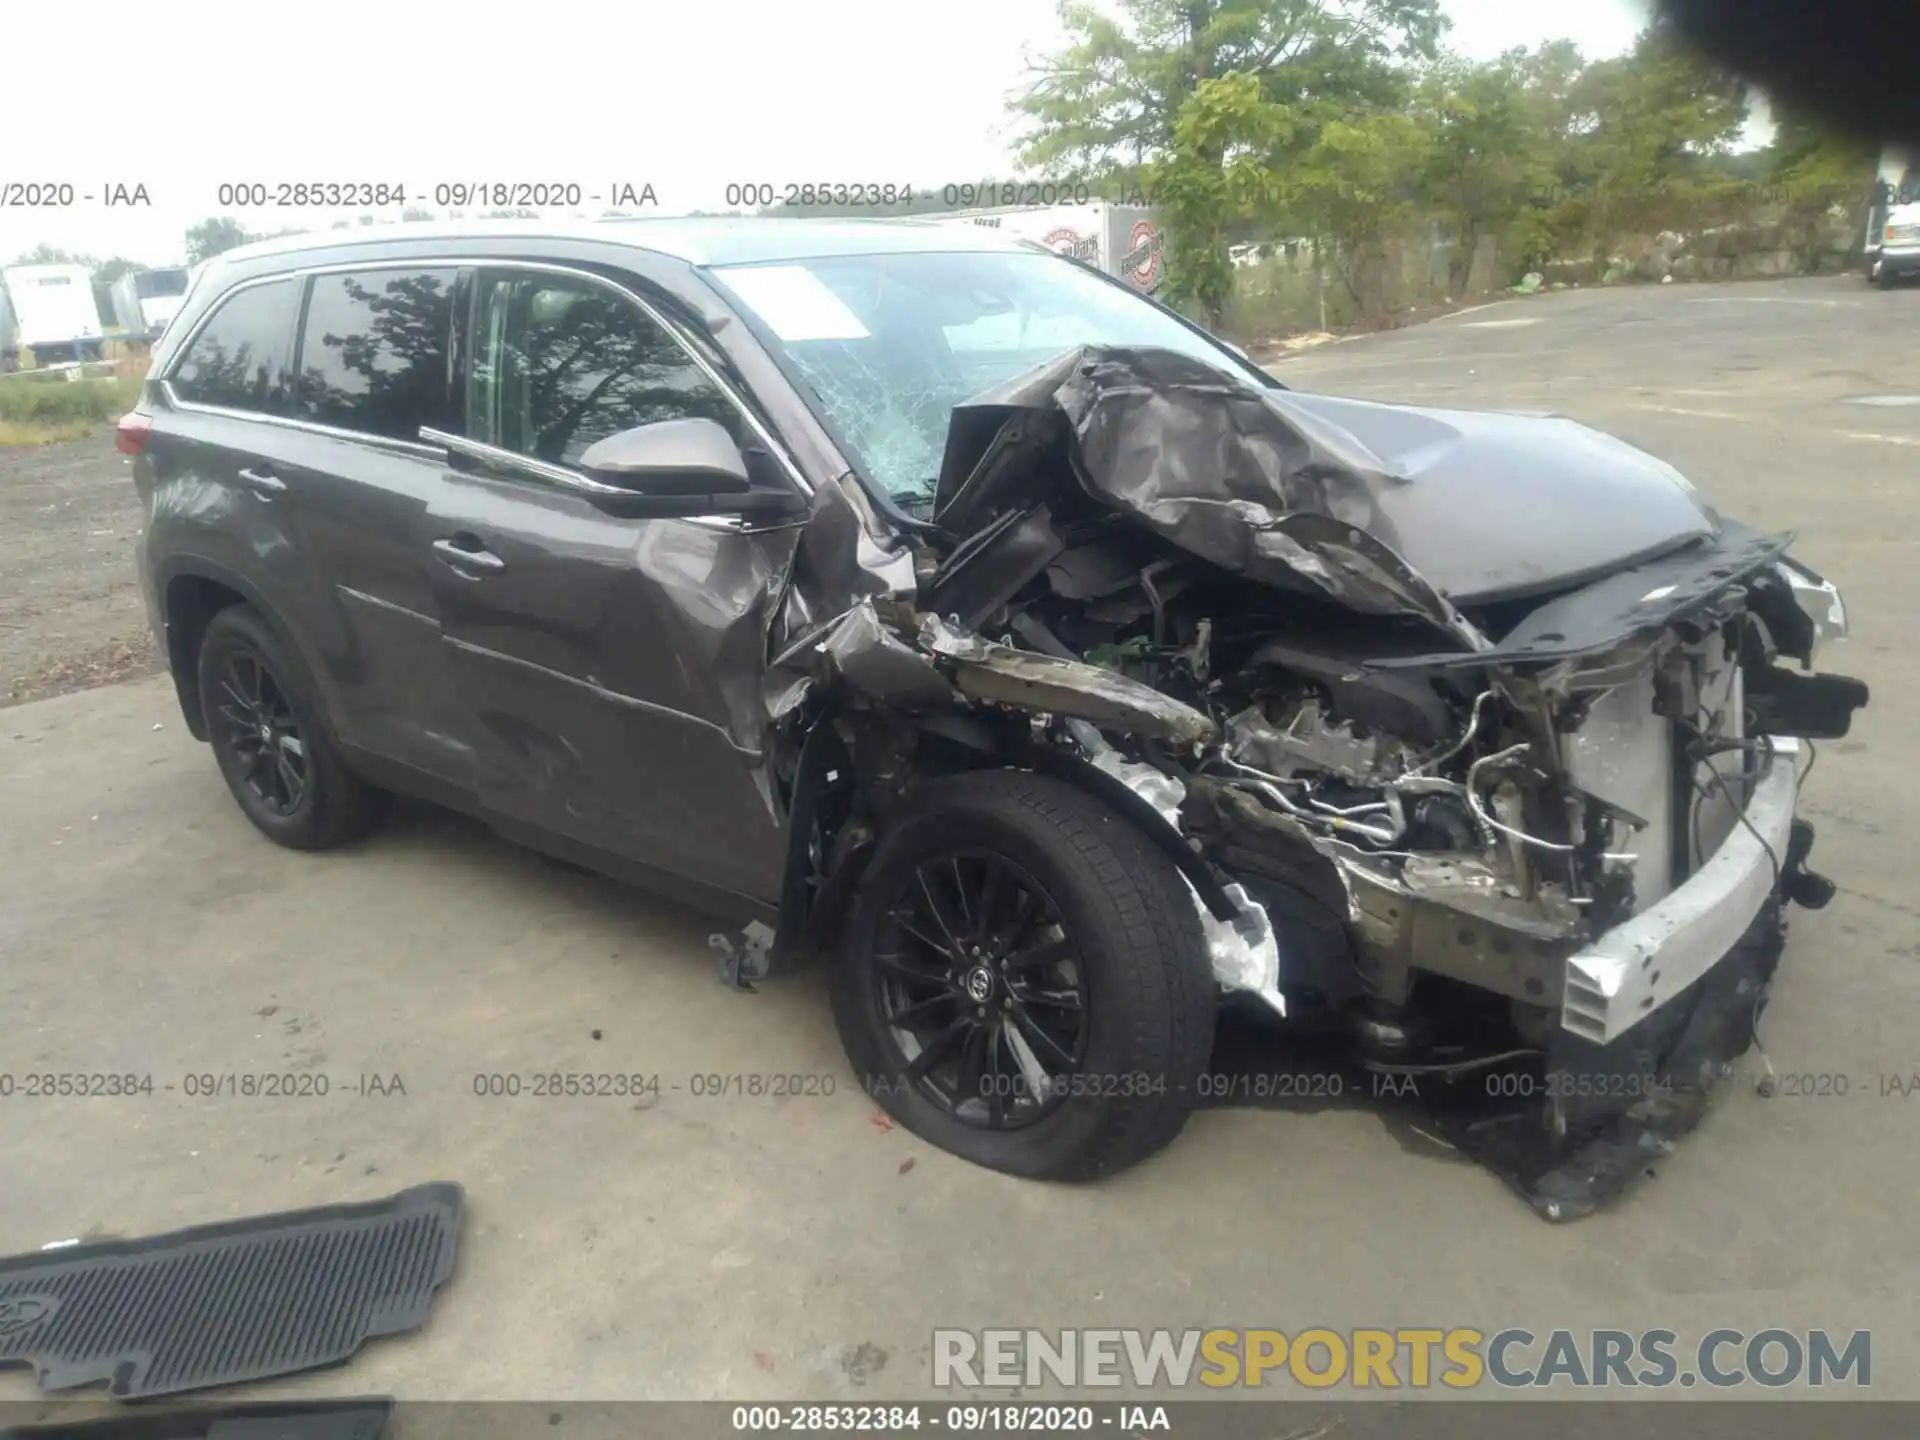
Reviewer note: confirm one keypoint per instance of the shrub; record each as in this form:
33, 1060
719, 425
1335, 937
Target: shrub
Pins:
38, 402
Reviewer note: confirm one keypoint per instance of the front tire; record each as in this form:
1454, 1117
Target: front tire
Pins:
1025, 982
265, 724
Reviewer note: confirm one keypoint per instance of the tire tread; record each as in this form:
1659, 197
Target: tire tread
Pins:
1160, 959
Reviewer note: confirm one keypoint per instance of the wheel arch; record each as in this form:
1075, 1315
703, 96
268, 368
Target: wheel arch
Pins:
194, 589
813, 905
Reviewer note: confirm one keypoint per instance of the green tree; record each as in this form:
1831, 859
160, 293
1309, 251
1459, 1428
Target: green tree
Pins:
213, 236
1487, 150
1354, 186
1215, 170
1644, 132
44, 254
1808, 152
1108, 102
1209, 102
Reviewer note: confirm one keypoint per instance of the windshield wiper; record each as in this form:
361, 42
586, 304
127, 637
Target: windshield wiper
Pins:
917, 503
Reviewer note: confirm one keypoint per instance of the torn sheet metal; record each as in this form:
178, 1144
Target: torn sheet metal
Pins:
1159, 789
1046, 683
1206, 461
1244, 951
1645, 600
838, 558
860, 649
1382, 508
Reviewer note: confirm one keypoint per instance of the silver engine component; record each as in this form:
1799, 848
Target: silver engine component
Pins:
1310, 741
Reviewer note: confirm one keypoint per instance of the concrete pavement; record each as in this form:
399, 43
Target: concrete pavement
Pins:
720, 1245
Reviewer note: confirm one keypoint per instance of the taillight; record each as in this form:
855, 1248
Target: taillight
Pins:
130, 436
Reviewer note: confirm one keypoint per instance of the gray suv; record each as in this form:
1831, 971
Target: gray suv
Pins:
939, 607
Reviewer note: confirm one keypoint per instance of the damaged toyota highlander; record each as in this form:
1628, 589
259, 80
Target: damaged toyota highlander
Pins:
944, 610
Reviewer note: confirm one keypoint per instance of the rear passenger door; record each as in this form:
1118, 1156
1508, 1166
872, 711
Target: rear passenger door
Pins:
374, 367
222, 452
607, 663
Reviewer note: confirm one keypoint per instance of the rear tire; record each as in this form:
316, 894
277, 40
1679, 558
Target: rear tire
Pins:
268, 734
1129, 992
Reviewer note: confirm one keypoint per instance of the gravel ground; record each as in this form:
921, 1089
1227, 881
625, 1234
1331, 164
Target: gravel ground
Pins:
70, 611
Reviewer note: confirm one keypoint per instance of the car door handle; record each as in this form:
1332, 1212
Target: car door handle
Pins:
264, 485
467, 560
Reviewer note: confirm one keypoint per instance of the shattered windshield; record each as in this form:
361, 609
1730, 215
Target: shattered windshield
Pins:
889, 344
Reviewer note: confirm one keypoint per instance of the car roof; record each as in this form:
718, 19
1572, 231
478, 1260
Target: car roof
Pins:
697, 240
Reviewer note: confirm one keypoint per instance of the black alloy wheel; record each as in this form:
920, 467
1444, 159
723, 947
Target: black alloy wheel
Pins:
981, 990
259, 729
1023, 979
267, 727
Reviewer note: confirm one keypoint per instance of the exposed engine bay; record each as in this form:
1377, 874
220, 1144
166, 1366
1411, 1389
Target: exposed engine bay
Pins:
1426, 806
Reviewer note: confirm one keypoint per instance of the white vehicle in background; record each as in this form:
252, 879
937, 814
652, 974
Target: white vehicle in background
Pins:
145, 301
1898, 257
55, 318
1122, 240
1891, 221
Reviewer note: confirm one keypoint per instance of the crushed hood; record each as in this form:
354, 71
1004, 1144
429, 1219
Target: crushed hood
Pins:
1389, 509
1572, 503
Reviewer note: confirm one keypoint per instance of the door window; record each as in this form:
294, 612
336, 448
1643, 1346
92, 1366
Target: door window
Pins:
560, 362
373, 351
242, 358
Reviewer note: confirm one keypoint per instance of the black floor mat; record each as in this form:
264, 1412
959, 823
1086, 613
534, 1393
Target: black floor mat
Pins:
220, 1304
267, 1420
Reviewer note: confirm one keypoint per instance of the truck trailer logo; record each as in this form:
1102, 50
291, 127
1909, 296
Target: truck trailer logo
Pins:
1141, 263
1073, 244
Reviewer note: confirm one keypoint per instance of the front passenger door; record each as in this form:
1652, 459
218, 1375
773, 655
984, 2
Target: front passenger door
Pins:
609, 667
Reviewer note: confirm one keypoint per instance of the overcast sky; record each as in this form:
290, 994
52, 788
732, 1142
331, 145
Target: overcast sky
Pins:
687, 98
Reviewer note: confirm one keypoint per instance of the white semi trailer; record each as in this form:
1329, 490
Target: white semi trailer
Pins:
145, 301
1122, 240
54, 315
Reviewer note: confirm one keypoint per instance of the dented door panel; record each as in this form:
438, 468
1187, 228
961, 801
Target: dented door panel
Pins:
610, 669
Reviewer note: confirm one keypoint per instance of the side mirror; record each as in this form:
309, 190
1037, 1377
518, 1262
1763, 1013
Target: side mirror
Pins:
669, 457
678, 467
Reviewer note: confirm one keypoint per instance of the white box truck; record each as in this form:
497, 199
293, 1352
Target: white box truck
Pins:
1122, 240
145, 301
55, 318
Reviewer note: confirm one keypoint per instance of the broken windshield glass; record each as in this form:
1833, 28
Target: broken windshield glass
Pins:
890, 344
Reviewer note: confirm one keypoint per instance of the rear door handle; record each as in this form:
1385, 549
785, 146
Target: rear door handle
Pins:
264, 485
468, 561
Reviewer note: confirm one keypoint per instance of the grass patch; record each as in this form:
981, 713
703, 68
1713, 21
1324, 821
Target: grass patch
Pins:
36, 410
16, 432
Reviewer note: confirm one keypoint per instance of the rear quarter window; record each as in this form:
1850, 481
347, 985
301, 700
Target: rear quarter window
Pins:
373, 351
242, 359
